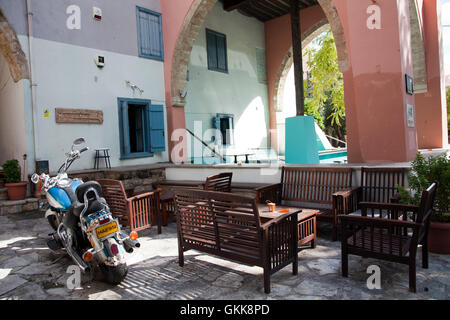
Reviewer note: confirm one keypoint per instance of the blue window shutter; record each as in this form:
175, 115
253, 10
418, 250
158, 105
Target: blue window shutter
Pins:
157, 137
124, 129
150, 34
212, 49
221, 52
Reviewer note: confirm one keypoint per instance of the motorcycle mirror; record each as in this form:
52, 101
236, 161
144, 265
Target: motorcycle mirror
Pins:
79, 141
35, 178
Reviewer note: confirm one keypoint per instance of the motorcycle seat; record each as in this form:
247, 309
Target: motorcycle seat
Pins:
84, 188
93, 206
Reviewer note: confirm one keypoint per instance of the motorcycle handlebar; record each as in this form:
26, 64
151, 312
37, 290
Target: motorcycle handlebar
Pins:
84, 149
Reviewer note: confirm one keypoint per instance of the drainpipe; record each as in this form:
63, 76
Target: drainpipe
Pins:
32, 84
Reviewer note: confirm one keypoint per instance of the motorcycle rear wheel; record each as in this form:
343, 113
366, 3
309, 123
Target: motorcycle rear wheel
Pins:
114, 275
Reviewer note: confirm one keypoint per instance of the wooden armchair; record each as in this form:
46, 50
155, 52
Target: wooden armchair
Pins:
139, 212
219, 182
377, 185
394, 237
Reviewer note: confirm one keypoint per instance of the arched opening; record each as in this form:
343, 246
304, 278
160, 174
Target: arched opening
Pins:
325, 102
189, 32
186, 38
286, 65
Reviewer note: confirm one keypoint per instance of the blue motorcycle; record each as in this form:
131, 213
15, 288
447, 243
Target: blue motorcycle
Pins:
83, 224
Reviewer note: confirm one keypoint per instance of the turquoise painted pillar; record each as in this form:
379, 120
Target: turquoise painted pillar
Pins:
301, 141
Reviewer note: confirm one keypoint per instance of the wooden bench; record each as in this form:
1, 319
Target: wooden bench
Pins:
394, 237
229, 226
310, 187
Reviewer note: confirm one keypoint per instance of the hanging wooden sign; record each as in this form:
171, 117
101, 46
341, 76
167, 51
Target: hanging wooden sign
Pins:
78, 116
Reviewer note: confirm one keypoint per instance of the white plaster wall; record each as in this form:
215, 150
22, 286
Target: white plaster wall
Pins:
237, 92
12, 117
67, 77
248, 174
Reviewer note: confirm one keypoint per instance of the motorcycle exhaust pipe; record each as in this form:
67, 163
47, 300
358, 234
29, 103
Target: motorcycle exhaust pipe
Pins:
127, 247
131, 243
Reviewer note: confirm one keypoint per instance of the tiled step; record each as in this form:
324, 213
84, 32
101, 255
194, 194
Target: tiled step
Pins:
9, 207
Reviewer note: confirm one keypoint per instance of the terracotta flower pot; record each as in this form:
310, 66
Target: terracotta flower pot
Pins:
439, 237
17, 191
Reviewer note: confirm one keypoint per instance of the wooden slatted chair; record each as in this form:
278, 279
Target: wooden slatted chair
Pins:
377, 185
394, 237
219, 182
138, 212
229, 226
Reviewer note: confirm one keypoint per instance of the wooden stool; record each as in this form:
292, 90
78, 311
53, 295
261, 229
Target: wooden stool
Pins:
104, 156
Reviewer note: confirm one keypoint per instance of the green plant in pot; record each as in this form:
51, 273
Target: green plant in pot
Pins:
425, 171
17, 189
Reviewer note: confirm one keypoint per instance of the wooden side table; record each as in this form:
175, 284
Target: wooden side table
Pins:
307, 222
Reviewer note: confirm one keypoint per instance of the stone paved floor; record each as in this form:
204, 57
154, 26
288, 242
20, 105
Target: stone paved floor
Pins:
29, 270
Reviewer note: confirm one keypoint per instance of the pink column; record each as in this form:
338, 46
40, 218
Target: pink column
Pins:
173, 15
375, 89
431, 105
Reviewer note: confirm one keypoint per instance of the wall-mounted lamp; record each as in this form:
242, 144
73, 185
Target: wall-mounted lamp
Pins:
183, 93
134, 87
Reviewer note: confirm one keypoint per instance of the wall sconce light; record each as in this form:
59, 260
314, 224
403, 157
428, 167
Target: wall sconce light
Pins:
183, 93
134, 87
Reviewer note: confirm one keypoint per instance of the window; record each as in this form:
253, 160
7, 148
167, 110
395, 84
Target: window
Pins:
150, 39
216, 44
225, 123
141, 127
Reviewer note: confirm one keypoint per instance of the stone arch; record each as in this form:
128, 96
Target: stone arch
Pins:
334, 20
12, 51
197, 15
288, 60
186, 38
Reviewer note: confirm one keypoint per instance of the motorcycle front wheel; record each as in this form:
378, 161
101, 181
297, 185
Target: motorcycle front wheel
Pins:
114, 275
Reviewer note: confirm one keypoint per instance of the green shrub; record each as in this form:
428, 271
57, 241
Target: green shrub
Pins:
448, 109
11, 171
424, 172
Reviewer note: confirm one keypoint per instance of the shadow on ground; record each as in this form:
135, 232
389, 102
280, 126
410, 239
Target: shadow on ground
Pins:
29, 270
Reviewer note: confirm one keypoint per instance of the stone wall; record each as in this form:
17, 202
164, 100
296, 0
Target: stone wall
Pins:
135, 180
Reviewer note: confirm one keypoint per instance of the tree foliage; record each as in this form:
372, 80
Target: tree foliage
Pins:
325, 86
448, 108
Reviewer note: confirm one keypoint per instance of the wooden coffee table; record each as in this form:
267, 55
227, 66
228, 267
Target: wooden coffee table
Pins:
306, 222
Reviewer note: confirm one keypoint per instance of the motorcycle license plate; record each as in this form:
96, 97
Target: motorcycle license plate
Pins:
107, 229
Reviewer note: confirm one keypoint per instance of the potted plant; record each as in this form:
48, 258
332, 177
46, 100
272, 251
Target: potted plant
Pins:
424, 172
17, 189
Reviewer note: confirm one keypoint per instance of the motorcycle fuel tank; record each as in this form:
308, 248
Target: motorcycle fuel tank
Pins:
59, 198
